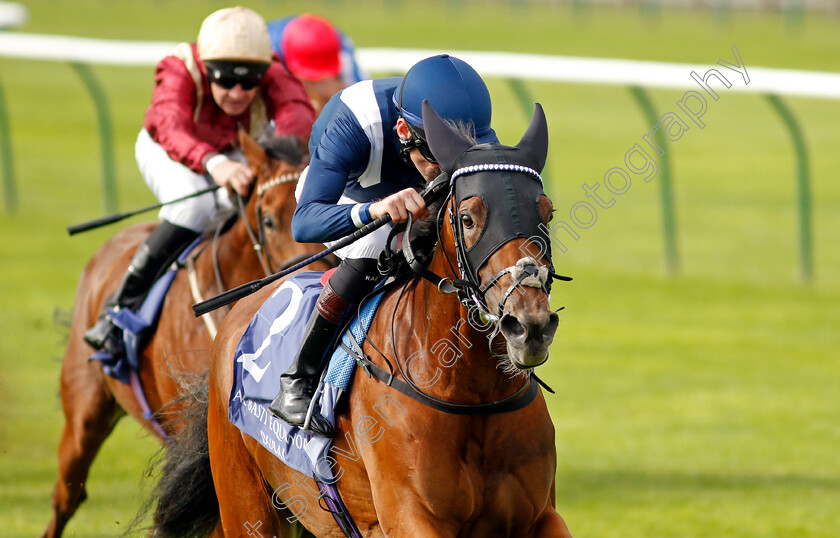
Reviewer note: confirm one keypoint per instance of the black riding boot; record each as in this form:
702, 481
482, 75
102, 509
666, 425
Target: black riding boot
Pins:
155, 254
299, 383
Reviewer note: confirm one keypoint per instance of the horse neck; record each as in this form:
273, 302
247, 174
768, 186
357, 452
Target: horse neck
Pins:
452, 343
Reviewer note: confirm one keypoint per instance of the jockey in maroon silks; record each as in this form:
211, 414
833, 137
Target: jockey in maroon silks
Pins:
204, 92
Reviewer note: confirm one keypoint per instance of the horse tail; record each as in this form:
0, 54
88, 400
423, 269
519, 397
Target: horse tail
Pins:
184, 499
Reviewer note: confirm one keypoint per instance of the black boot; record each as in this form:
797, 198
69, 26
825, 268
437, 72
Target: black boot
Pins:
299, 383
155, 254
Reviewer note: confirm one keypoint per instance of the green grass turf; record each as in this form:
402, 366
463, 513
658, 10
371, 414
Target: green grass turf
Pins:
699, 405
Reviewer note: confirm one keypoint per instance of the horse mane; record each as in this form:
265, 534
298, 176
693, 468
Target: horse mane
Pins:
424, 234
281, 147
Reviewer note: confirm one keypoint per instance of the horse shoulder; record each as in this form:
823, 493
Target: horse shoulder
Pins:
423, 465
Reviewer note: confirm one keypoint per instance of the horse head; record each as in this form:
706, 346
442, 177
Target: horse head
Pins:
277, 162
497, 228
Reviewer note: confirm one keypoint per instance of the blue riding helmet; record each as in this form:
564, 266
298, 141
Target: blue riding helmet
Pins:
453, 88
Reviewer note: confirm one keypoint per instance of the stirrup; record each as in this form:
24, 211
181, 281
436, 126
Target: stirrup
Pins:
315, 422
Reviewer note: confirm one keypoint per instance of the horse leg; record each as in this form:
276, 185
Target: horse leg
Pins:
245, 505
552, 525
90, 414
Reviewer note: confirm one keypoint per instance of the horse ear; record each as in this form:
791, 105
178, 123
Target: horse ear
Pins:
446, 144
253, 152
535, 139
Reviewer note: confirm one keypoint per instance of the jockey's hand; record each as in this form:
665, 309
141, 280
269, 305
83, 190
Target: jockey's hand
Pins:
399, 205
233, 175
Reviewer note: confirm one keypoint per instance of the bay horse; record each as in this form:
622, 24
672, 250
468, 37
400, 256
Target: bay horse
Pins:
466, 447
93, 401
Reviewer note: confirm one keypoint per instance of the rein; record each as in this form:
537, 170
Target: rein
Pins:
471, 292
257, 240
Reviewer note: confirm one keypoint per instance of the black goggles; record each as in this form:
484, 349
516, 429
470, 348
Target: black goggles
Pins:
420, 143
227, 74
418, 139
229, 82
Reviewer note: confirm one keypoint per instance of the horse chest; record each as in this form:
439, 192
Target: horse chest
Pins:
482, 475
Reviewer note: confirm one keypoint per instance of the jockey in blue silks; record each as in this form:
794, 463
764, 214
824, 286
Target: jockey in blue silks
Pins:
369, 157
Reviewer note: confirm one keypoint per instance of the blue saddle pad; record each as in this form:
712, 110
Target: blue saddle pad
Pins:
266, 349
134, 324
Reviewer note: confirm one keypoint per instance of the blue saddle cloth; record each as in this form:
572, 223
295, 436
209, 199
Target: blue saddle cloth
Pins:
134, 325
267, 348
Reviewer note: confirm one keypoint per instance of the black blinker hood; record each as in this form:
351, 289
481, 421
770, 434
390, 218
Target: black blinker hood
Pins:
505, 178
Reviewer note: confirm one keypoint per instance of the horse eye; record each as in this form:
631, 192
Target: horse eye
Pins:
467, 221
268, 222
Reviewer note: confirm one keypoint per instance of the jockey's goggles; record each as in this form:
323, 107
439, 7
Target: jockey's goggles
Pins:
227, 74
228, 83
418, 139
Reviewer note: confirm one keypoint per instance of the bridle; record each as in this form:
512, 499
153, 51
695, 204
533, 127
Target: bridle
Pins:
470, 292
258, 242
258, 237
276, 181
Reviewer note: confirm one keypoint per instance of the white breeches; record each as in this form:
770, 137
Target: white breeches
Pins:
170, 179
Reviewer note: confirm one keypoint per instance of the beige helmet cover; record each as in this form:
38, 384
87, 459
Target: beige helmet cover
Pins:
235, 33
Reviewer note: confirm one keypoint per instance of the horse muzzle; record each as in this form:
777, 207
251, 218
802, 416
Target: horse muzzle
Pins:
528, 337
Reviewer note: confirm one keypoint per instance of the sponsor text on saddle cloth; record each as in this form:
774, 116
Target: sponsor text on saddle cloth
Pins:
266, 350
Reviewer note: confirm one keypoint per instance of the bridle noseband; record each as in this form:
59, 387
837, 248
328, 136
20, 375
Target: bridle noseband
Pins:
526, 272
258, 239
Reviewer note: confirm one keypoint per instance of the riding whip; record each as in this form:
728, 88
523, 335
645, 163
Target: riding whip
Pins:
432, 191
116, 217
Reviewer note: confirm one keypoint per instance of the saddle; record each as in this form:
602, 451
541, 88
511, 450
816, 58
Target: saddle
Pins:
265, 351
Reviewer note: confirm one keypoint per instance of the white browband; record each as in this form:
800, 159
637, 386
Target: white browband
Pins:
495, 167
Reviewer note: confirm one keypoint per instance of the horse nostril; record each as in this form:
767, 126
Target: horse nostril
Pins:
550, 328
553, 322
511, 327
